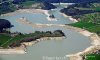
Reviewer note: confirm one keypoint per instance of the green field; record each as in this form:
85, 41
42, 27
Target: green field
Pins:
6, 40
88, 26
92, 57
90, 22
27, 3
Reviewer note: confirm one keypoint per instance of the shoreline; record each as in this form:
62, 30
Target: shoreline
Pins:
15, 50
42, 39
23, 48
48, 18
24, 10
95, 43
95, 39
25, 21
51, 19
30, 11
69, 17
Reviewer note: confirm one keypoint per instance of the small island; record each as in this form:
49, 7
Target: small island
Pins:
22, 18
51, 18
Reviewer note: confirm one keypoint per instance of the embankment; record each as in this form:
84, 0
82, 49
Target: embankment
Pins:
69, 17
22, 49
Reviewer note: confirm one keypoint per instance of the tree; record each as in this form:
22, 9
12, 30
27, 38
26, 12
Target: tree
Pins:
4, 24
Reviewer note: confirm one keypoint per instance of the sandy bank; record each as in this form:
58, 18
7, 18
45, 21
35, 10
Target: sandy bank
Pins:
48, 18
51, 19
74, 57
46, 12
78, 56
27, 22
16, 50
69, 17
95, 41
22, 48
42, 39
25, 11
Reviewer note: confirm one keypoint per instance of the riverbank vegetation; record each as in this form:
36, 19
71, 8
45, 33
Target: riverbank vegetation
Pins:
92, 56
7, 7
15, 39
11, 6
88, 16
90, 22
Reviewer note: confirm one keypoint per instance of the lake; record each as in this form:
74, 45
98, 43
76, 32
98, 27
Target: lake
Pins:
73, 43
